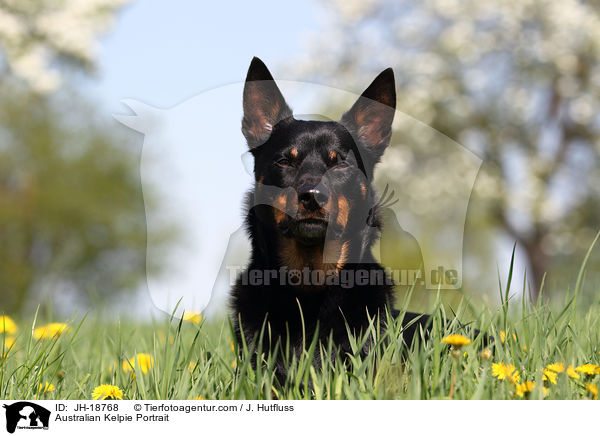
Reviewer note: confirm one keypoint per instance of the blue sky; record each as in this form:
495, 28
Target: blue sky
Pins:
163, 52
166, 53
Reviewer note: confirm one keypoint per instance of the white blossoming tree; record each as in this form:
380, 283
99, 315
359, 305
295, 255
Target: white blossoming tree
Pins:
516, 82
37, 36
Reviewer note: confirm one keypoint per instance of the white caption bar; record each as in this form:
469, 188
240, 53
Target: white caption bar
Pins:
296, 417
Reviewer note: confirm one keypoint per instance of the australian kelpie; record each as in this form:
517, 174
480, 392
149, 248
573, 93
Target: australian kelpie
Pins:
312, 217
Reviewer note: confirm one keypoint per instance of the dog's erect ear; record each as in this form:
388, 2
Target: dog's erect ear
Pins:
264, 106
370, 118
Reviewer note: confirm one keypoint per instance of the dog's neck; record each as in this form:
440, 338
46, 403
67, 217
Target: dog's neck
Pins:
328, 256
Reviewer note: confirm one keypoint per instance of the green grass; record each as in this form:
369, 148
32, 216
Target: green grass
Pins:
198, 360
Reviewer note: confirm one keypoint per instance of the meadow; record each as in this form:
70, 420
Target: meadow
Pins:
542, 351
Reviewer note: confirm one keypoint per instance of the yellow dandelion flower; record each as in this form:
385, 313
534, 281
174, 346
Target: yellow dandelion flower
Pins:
514, 377
592, 389
232, 346
7, 325
498, 370
456, 340
588, 368
107, 392
557, 367
505, 372
8, 342
486, 354
193, 317
503, 336
571, 372
524, 388
50, 331
550, 375
199, 398
233, 363
48, 387
142, 361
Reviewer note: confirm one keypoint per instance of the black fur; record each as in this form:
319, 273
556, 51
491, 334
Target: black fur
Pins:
313, 191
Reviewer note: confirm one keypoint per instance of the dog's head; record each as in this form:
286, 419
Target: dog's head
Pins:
315, 174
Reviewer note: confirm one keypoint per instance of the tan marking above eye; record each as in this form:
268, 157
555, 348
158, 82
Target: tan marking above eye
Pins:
332, 155
294, 152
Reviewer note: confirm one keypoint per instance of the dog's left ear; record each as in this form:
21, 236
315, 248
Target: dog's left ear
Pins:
370, 118
264, 105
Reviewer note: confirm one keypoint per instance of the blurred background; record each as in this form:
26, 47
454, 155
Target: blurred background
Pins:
514, 82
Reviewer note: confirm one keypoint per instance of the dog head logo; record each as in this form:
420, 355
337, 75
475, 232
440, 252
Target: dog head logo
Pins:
26, 415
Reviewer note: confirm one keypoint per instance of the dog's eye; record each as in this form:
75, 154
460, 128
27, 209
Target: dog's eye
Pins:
283, 162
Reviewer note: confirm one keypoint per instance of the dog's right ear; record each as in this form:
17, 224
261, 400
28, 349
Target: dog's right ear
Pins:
370, 118
264, 105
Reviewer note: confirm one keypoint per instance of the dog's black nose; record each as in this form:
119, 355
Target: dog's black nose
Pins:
312, 198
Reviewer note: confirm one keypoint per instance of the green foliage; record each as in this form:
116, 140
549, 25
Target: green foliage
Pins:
71, 215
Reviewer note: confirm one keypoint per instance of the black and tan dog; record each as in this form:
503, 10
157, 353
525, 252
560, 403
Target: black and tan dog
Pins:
313, 218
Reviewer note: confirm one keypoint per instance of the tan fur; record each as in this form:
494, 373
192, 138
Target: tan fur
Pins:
294, 152
279, 206
343, 211
296, 256
343, 255
363, 189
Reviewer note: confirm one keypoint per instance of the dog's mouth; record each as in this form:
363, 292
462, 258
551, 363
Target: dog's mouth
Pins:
309, 230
